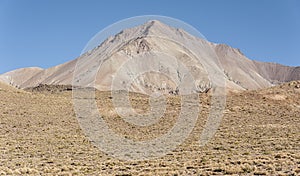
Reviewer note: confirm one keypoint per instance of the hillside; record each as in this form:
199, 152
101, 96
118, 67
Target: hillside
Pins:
18, 77
259, 134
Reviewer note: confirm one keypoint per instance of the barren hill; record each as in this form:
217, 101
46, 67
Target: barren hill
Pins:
158, 48
18, 77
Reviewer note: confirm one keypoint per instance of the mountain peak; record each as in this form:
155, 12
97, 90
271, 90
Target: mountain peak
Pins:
154, 23
154, 26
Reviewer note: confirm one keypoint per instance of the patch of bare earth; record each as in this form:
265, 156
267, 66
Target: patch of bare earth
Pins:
259, 135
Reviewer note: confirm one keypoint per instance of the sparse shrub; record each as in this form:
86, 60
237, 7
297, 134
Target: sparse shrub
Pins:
247, 168
233, 170
260, 173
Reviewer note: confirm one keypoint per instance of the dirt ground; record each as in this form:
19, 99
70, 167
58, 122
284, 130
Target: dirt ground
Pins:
259, 135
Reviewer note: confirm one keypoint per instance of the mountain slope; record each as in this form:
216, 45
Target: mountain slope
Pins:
277, 73
58, 75
19, 76
239, 68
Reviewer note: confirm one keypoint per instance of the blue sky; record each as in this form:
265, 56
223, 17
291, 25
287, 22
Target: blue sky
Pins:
47, 33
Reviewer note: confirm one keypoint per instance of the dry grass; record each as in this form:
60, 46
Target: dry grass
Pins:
259, 135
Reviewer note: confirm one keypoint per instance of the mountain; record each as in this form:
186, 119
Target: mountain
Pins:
155, 56
18, 77
277, 73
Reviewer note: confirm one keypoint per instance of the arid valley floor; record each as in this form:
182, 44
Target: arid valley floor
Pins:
259, 135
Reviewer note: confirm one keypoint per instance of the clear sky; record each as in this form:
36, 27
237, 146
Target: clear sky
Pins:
47, 33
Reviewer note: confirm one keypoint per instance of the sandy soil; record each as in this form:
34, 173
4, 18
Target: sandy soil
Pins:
259, 135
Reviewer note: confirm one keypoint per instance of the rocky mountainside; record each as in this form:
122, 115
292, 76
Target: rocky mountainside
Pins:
157, 57
277, 73
18, 77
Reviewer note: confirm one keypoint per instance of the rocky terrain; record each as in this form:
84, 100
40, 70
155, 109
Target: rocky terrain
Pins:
259, 135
